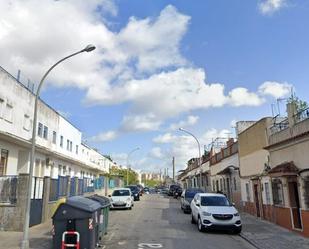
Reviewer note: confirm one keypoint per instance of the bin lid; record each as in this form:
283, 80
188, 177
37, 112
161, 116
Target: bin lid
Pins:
83, 203
104, 201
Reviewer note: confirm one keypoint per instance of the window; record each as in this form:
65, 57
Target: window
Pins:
61, 141
213, 185
45, 132
27, 123
54, 137
267, 193
1, 107
224, 184
235, 184
277, 192
3, 162
40, 130
221, 187
248, 192
68, 144
71, 145
76, 149
8, 113
306, 191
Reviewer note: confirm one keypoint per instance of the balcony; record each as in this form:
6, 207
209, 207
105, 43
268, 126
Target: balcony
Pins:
284, 131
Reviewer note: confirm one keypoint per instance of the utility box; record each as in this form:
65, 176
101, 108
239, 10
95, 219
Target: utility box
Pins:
76, 224
103, 216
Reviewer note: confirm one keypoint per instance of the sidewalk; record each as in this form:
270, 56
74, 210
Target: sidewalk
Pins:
39, 238
266, 235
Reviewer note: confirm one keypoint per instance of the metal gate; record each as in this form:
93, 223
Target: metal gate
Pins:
36, 201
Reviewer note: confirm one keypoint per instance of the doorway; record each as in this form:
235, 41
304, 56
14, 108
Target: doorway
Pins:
295, 204
257, 200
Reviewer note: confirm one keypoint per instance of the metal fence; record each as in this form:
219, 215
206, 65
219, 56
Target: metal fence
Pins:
53, 190
8, 189
63, 182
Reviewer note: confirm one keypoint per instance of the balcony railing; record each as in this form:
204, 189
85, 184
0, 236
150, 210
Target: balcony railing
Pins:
279, 126
302, 115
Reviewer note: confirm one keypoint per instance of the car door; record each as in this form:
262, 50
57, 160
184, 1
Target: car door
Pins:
194, 207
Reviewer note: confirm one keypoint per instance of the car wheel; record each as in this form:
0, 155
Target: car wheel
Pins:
192, 219
200, 225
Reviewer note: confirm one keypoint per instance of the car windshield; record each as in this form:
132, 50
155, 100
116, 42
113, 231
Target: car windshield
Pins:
214, 201
191, 194
121, 193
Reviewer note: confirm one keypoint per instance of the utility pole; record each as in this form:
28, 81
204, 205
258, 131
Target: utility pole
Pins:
173, 169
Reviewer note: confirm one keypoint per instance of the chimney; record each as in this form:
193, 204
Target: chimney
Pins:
292, 111
230, 142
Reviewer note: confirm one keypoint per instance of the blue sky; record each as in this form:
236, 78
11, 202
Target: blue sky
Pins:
160, 64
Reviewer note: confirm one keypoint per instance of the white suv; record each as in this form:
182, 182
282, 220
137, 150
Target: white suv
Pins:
121, 198
214, 211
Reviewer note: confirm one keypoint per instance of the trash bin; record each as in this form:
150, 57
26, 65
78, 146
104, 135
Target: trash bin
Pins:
103, 217
75, 224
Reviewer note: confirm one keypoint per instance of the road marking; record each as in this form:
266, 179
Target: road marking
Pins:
148, 245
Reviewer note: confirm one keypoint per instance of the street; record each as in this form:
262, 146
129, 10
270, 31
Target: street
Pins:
158, 222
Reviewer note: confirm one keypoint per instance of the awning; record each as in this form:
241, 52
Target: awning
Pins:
227, 170
284, 169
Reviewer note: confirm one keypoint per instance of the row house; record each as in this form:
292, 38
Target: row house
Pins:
288, 145
71, 166
224, 172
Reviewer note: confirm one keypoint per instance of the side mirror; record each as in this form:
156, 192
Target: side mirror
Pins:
197, 204
233, 204
109, 195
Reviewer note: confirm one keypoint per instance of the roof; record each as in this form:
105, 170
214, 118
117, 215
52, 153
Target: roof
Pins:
284, 169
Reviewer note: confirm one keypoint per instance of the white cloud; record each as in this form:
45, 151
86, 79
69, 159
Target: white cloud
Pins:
191, 120
275, 89
271, 6
165, 138
104, 136
242, 97
156, 152
141, 122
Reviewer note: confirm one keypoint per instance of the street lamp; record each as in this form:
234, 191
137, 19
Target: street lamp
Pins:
199, 151
25, 241
137, 148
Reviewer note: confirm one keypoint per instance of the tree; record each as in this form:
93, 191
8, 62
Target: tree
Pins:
133, 177
300, 104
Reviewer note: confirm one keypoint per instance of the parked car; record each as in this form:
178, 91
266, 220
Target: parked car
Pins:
135, 192
214, 211
121, 198
177, 192
172, 188
165, 191
186, 198
146, 190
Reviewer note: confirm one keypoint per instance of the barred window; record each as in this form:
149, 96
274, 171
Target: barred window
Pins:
267, 192
306, 192
248, 192
277, 192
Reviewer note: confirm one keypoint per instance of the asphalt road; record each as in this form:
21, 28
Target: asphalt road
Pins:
158, 222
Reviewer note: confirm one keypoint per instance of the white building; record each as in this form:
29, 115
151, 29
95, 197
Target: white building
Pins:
60, 151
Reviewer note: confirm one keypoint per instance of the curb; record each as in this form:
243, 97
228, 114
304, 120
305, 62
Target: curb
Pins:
251, 242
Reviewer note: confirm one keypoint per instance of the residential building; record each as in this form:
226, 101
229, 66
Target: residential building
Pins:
288, 146
224, 172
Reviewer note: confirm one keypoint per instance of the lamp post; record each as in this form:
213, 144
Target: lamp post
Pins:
25, 241
199, 152
137, 148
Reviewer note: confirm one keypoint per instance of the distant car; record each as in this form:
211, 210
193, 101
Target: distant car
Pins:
214, 211
121, 198
177, 192
186, 198
172, 188
146, 190
135, 192
165, 191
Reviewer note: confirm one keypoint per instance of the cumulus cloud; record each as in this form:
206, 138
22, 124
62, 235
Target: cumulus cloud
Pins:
271, 6
156, 152
104, 136
242, 97
143, 122
275, 89
191, 120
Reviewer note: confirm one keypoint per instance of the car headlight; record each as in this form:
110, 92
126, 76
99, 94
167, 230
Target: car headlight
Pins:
135, 194
129, 199
206, 214
236, 214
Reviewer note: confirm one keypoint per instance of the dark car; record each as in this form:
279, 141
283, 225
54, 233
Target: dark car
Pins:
186, 198
135, 192
177, 192
172, 188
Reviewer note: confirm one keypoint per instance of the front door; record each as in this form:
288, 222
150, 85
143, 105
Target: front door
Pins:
257, 200
294, 204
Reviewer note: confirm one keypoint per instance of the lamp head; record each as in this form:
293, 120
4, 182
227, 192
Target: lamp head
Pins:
89, 48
